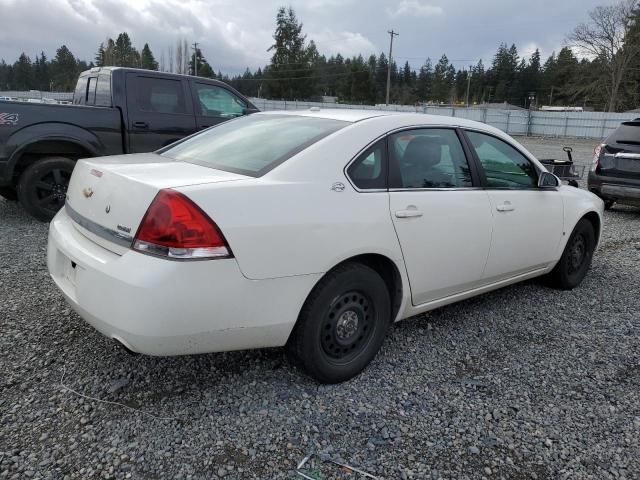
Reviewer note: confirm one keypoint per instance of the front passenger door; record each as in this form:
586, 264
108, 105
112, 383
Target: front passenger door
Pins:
527, 220
214, 104
441, 216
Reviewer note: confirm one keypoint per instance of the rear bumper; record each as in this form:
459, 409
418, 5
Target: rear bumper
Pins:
162, 307
615, 188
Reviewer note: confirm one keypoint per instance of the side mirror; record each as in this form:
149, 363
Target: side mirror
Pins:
548, 180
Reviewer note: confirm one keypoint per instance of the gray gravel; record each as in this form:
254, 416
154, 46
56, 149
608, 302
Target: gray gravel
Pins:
523, 383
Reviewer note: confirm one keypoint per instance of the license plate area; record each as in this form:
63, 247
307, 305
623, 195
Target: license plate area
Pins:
69, 270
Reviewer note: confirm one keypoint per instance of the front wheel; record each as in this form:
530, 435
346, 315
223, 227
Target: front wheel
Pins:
342, 324
42, 188
576, 258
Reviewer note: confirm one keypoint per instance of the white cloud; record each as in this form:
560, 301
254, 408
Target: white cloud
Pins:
346, 43
415, 8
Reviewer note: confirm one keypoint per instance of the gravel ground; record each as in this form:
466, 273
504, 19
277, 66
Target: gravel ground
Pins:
523, 383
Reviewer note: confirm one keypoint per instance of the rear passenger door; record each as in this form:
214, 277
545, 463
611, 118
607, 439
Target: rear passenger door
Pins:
159, 111
214, 104
441, 215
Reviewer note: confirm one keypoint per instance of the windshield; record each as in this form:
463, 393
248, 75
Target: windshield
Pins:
255, 144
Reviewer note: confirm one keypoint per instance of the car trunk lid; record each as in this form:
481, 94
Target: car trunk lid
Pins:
108, 197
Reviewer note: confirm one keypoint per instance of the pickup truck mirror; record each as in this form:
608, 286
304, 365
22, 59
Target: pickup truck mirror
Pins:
548, 180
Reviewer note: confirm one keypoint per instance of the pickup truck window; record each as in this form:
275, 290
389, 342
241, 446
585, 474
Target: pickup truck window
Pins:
80, 93
159, 95
215, 101
91, 91
103, 91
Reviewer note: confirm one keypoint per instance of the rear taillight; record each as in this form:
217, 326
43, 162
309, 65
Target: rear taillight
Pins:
597, 151
174, 227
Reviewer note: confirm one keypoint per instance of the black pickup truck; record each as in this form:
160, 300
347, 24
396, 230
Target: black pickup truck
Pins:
115, 110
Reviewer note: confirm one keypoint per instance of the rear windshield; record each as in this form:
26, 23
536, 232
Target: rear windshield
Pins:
253, 145
627, 133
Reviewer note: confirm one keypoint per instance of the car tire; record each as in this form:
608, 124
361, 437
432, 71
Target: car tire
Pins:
608, 204
576, 258
42, 187
9, 193
342, 324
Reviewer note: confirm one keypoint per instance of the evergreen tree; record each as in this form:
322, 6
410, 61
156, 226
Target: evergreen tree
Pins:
23, 73
147, 60
64, 70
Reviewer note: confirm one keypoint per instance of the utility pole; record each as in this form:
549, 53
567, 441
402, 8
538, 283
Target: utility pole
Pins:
392, 34
195, 59
468, 86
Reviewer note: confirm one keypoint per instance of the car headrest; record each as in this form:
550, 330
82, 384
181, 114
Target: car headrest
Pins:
423, 152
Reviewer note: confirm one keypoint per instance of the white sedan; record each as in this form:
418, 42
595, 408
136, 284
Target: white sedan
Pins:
315, 230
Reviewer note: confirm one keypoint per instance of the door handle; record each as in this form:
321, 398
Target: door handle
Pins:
411, 212
141, 125
506, 207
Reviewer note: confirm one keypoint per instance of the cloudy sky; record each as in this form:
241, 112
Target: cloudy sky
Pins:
235, 34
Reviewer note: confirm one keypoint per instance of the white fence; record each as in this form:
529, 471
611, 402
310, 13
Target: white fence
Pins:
514, 122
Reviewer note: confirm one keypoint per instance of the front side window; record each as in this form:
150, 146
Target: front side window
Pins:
159, 95
216, 101
428, 158
255, 144
503, 165
369, 170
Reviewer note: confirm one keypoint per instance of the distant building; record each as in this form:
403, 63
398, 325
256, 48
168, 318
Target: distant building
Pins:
546, 108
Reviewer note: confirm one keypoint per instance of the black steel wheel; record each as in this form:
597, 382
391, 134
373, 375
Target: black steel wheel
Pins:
576, 258
342, 324
42, 188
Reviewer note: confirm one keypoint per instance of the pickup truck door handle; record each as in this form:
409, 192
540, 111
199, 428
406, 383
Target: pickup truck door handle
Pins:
408, 213
506, 207
140, 125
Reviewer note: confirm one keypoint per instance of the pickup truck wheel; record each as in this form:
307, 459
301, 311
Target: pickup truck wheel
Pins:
42, 188
576, 258
9, 193
342, 324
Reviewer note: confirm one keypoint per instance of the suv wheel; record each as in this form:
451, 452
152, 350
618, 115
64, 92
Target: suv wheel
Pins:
42, 188
576, 258
342, 324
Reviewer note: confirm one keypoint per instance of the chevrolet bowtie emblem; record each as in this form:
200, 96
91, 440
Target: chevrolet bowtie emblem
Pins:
87, 192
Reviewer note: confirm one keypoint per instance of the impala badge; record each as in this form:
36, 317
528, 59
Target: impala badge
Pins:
87, 192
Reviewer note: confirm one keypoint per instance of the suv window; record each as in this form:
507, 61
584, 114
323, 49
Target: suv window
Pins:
628, 133
503, 165
159, 95
369, 170
216, 101
428, 158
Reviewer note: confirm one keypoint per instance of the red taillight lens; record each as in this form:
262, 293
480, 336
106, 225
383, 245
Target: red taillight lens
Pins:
175, 227
597, 151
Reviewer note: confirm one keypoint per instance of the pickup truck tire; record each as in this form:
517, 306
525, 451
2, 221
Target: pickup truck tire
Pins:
42, 187
9, 193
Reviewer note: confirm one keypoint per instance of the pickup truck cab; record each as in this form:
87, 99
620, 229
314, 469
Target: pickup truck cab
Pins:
115, 110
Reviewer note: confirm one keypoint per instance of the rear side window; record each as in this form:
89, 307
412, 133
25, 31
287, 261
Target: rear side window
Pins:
369, 170
80, 93
103, 91
159, 95
255, 144
91, 91
428, 158
503, 165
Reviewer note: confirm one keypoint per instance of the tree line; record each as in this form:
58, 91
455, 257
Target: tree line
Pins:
607, 77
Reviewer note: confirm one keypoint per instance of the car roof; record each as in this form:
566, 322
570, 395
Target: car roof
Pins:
394, 119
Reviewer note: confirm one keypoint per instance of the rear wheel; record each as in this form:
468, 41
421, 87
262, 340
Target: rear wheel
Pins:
576, 258
9, 193
342, 324
42, 188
